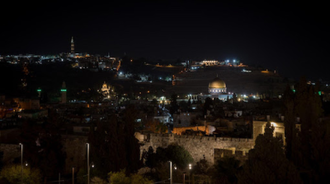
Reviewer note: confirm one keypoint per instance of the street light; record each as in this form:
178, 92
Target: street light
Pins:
189, 172
171, 179
72, 175
21, 145
88, 169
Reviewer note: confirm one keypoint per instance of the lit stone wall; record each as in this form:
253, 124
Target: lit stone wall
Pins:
199, 146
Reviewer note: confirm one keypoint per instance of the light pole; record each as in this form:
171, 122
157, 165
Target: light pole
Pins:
72, 175
88, 169
190, 172
171, 179
21, 145
184, 178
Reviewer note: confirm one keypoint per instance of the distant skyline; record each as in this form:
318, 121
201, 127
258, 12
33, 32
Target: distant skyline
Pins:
292, 38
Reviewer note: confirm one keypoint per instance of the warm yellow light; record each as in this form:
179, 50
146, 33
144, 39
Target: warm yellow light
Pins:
273, 124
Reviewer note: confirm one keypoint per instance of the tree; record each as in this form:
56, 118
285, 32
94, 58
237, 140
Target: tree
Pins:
43, 146
173, 105
177, 154
208, 105
226, 170
155, 126
154, 102
308, 148
267, 162
97, 180
202, 167
151, 158
289, 123
113, 144
13, 174
184, 106
138, 179
121, 178
131, 143
235, 100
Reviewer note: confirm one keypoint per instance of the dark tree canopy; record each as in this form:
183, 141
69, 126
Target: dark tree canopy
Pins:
267, 162
113, 145
226, 170
174, 104
308, 148
175, 153
208, 105
43, 146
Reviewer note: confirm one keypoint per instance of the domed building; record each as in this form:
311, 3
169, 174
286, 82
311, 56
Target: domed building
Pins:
218, 89
217, 86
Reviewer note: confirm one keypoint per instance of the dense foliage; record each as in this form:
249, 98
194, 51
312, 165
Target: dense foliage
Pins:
113, 146
13, 174
43, 146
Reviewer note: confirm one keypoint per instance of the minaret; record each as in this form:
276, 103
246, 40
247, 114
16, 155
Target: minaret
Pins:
63, 93
72, 46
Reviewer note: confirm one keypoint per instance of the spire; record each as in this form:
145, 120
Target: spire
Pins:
63, 85
72, 45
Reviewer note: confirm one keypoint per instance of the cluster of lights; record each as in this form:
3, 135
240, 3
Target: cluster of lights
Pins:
227, 61
215, 90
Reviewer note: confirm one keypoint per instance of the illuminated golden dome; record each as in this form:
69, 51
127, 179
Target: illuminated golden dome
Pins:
217, 84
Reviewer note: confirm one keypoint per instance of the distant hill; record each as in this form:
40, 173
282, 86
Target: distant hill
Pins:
237, 81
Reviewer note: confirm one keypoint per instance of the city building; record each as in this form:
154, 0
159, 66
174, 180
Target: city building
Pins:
209, 62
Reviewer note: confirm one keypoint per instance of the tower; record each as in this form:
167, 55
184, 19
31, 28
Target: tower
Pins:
63, 93
72, 46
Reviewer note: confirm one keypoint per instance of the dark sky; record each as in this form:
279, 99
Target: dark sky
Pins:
290, 37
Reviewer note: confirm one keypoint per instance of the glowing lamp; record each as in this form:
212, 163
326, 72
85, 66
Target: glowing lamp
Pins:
273, 124
63, 90
39, 90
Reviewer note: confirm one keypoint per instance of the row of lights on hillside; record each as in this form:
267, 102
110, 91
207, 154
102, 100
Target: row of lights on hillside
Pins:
89, 165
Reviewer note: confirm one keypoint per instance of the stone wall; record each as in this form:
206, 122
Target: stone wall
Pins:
10, 152
199, 146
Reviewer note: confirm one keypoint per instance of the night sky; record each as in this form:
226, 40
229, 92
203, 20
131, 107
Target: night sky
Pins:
290, 37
